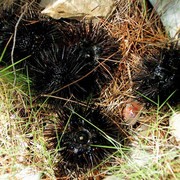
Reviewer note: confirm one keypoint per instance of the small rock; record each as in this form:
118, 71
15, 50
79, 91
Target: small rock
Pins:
131, 112
77, 8
29, 173
174, 123
169, 11
111, 178
140, 157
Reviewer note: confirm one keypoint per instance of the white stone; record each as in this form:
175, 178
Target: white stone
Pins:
174, 123
169, 11
112, 178
77, 8
28, 173
140, 157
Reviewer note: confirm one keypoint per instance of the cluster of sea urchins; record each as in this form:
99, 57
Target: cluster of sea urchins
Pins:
159, 78
85, 137
66, 60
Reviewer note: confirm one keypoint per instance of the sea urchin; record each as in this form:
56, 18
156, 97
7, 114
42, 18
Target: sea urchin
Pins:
161, 77
87, 138
81, 67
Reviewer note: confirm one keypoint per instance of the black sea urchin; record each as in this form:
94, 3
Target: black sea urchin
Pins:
32, 36
161, 77
81, 67
85, 140
73, 71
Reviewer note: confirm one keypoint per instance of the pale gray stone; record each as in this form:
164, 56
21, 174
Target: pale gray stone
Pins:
77, 8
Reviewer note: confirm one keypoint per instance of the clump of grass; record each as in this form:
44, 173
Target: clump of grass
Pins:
154, 153
21, 138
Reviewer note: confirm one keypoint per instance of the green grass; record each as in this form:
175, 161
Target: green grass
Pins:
154, 153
